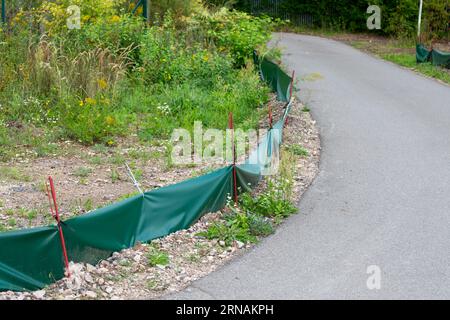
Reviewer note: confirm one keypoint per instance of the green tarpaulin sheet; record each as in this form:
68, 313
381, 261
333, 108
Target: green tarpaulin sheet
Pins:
422, 54
275, 77
32, 258
437, 57
440, 58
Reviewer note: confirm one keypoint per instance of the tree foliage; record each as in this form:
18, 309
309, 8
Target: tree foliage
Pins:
399, 17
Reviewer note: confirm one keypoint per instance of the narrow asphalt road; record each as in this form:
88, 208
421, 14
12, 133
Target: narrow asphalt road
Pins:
382, 196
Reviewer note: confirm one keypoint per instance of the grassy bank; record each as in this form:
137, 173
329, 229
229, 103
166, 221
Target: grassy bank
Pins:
117, 79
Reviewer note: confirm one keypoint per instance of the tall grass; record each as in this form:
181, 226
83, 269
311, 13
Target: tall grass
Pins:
117, 76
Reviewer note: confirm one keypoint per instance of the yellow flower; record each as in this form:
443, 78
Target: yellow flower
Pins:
206, 58
102, 83
90, 101
110, 120
115, 19
81, 103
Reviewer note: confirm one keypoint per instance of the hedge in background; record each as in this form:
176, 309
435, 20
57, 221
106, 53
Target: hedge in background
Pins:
399, 17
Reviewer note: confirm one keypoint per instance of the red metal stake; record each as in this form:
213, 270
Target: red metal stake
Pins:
292, 85
270, 117
231, 127
291, 91
55, 214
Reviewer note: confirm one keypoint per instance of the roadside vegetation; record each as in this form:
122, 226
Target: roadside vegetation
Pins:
117, 77
100, 92
257, 215
112, 92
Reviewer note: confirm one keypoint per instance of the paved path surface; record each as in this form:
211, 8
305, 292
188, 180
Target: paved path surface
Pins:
382, 196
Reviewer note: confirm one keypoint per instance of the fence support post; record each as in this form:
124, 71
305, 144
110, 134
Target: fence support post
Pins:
291, 89
55, 214
146, 10
270, 117
3, 11
233, 146
291, 94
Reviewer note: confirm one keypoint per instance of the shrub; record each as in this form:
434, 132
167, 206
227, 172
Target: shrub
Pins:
169, 56
116, 74
401, 17
436, 19
178, 8
91, 120
53, 14
114, 33
236, 32
260, 226
239, 224
235, 227
271, 203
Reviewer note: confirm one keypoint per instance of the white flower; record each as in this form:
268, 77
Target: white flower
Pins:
164, 109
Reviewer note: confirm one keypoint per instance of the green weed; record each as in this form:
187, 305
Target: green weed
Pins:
12, 173
157, 257
298, 150
82, 172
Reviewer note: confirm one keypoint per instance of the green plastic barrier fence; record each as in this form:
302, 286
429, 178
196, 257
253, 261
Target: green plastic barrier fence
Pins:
32, 258
274, 76
422, 54
437, 57
440, 58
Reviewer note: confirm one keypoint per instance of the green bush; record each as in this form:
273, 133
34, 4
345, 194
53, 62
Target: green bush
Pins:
436, 19
116, 75
253, 218
271, 203
235, 227
114, 33
236, 32
178, 8
169, 56
260, 226
91, 121
399, 17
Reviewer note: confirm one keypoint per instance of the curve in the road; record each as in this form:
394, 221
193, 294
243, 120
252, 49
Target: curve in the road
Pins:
382, 196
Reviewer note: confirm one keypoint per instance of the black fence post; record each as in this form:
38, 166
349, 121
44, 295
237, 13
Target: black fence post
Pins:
4, 11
